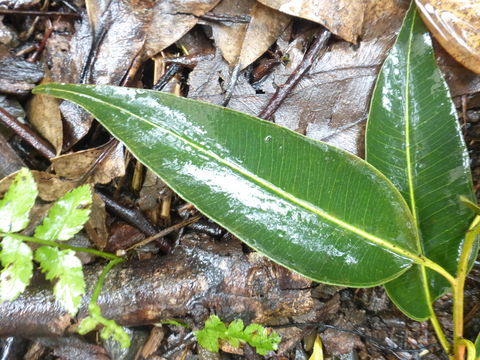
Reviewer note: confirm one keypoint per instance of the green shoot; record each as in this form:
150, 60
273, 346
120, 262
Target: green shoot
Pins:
236, 335
110, 327
66, 218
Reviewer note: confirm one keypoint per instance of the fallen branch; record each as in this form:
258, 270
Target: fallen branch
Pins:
198, 278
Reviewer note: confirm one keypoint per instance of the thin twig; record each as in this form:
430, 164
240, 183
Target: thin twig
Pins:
166, 77
27, 134
43, 43
109, 147
38, 13
165, 232
134, 218
189, 61
131, 216
316, 50
133, 70
241, 19
92, 55
232, 84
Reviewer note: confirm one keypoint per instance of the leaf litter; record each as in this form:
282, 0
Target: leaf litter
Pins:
265, 40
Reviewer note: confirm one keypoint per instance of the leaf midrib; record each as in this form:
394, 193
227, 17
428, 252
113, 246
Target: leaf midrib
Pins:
247, 174
410, 176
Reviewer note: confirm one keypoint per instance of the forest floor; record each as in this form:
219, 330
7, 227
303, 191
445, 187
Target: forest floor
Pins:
232, 52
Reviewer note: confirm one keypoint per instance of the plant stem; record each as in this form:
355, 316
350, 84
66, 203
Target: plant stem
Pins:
471, 352
459, 287
437, 268
101, 279
439, 332
105, 255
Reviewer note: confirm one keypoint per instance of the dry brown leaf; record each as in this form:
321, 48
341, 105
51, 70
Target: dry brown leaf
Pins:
229, 36
50, 186
265, 27
171, 20
44, 114
104, 162
344, 18
131, 29
331, 102
96, 226
244, 43
9, 161
456, 26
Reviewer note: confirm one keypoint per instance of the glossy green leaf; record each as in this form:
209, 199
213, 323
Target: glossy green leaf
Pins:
64, 267
18, 201
67, 215
413, 137
16, 259
309, 206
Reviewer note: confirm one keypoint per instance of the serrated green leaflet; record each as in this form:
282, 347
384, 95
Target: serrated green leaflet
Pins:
413, 137
309, 206
210, 335
16, 259
67, 215
66, 268
258, 337
236, 335
18, 201
110, 328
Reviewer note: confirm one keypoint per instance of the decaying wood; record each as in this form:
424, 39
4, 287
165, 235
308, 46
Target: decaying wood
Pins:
198, 278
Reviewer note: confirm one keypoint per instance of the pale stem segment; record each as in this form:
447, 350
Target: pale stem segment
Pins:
103, 254
459, 344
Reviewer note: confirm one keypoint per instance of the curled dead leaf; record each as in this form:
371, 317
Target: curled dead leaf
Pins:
99, 165
171, 20
50, 186
245, 43
44, 114
456, 26
96, 226
343, 18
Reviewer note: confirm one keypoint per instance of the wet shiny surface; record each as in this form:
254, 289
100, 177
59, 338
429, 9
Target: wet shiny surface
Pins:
414, 138
456, 25
302, 203
200, 276
342, 17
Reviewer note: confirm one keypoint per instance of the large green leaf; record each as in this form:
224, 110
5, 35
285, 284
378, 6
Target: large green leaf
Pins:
413, 137
308, 206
